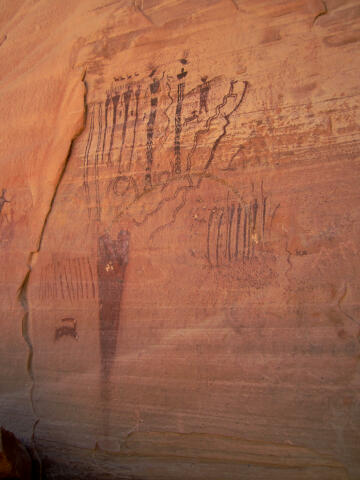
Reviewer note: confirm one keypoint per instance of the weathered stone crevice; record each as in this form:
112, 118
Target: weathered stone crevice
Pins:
23, 289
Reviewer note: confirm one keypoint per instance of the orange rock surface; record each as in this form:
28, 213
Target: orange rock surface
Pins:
179, 237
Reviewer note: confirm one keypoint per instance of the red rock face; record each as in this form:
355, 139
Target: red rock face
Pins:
178, 236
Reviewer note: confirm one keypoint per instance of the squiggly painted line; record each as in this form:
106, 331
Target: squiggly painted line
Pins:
208, 124
174, 215
161, 203
227, 119
166, 112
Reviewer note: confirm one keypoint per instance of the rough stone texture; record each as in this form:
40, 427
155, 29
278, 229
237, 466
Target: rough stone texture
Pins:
179, 226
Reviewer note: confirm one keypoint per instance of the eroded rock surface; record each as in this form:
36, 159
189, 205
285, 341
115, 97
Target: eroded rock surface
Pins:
179, 224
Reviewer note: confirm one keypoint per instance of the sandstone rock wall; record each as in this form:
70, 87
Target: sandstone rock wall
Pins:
179, 237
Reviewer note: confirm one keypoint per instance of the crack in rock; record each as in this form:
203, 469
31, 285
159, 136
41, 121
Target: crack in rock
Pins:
23, 289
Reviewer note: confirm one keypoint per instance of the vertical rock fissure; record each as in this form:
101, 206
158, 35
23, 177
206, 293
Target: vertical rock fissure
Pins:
23, 289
